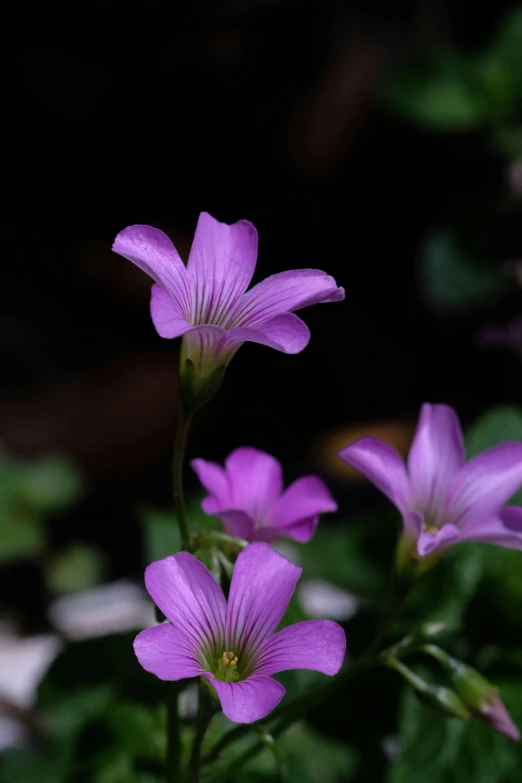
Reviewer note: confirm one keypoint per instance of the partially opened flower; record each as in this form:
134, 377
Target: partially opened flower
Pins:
207, 301
236, 647
442, 498
247, 495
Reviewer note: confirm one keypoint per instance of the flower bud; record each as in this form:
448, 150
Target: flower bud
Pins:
477, 693
482, 699
444, 700
430, 629
409, 566
437, 696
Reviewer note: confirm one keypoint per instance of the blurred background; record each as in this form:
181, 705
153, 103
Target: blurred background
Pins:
381, 142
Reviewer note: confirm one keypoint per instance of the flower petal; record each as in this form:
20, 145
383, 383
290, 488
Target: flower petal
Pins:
215, 480
165, 316
267, 534
436, 456
256, 481
484, 484
153, 252
284, 293
164, 651
499, 719
307, 497
189, 596
237, 523
286, 333
503, 530
262, 585
382, 465
249, 700
318, 645
302, 531
221, 264
446, 536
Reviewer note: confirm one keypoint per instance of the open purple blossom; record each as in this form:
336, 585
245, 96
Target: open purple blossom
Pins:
236, 647
442, 498
247, 495
207, 301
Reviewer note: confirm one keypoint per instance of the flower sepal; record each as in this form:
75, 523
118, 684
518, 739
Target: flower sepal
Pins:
196, 388
409, 565
443, 700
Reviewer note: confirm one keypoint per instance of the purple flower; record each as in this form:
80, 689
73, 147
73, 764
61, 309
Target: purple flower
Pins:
442, 498
207, 300
236, 647
247, 495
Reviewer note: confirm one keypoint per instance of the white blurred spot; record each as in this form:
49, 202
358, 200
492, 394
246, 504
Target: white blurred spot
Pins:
323, 599
112, 608
391, 746
188, 702
23, 663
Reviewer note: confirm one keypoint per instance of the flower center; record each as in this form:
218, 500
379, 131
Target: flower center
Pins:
429, 528
227, 668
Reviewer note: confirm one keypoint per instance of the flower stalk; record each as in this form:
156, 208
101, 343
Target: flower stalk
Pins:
173, 770
185, 418
204, 716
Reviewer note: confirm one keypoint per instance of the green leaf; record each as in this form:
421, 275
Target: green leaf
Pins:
22, 536
139, 730
78, 567
441, 92
23, 766
162, 537
509, 141
310, 756
345, 556
446, 592
306, 756
447, 90
67, 713
109, 661
450, 281
497, 425
50, 483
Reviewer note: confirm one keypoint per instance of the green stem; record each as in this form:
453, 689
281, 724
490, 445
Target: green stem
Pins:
216, 537
173, 688
205, 713
270, 744
389, 613
415, 681
185, 418
173, 734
